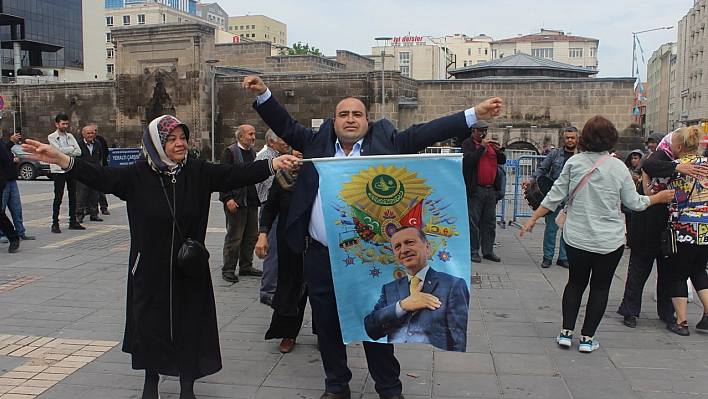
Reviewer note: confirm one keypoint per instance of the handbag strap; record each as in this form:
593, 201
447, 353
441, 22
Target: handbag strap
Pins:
169, 204
587, 177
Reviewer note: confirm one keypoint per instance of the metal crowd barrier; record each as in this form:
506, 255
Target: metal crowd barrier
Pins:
524, 166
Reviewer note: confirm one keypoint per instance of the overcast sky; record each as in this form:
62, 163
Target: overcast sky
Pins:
333, 25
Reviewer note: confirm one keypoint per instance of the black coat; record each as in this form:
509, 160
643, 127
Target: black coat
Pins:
104, 147
381, 139
472, 153
171, 319
11, 172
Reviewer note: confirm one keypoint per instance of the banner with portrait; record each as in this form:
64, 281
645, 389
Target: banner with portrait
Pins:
365, 200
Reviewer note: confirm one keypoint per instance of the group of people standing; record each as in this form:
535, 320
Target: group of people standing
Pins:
588, 191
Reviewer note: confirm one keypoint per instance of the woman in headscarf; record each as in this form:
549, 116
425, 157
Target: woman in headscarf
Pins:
291, 294
171, 324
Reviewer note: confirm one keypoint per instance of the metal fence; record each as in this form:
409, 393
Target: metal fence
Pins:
524, 166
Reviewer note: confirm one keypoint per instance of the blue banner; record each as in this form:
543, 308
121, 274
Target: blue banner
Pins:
365, 200
123, 156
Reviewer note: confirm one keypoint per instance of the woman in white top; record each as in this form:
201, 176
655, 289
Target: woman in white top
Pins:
594, 228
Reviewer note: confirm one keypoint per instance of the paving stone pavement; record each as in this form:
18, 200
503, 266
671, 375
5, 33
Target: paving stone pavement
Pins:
69, 289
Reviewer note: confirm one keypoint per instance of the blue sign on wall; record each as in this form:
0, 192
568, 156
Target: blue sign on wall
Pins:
123, 156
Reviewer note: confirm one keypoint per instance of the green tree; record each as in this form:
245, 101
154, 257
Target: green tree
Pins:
300, 49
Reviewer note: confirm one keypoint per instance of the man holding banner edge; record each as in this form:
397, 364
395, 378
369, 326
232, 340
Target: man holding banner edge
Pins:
347, 135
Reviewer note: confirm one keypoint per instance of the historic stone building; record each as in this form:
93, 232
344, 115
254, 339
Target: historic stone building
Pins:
163, 69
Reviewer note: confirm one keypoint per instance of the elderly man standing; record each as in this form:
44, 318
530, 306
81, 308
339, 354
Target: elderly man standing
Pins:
67, 145
92, 152
481, 155
551, 166
241, 209
348, 134
275, 147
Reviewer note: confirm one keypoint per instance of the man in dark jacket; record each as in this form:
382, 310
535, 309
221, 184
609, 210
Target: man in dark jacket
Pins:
347, 135
241, 209
481, 155
5, 224
11, 196
86, 197
551, 166
102, 201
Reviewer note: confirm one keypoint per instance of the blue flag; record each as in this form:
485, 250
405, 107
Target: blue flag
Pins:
636, 110
365, 200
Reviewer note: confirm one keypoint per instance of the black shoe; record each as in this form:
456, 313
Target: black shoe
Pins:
267, 300
251, 272
668, 320
95, 218
563, 263
76, 226
80, 219
231, 277
27, 238
703, 324
679, 328
630, 321
105, 212
492, 256
546, 263
14, 246
476, 258
55, 228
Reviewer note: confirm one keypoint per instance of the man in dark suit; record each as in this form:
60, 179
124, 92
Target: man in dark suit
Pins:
86, 197
428, 306
102, 200
347, 135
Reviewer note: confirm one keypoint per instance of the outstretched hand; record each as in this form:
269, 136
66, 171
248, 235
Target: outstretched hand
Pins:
254, 84
45, 153
285, 162
527, 227
488, 108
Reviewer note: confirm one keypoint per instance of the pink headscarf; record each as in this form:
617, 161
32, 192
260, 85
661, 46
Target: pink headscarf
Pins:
665, 145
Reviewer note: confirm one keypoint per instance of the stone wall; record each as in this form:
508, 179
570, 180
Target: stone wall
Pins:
302, 63
37, 105
354, 61
245, 55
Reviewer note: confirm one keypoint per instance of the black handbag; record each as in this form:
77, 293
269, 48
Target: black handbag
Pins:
193, 257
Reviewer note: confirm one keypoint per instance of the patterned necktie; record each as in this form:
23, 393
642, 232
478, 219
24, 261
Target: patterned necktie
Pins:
414, 284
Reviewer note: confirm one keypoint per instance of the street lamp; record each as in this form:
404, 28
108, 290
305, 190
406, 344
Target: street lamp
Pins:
212, 64
634, 42
383, 74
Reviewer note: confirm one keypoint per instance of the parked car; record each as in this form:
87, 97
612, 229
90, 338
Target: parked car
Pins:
30, 169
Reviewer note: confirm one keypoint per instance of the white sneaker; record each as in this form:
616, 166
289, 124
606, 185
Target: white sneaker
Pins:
565, 338
588, 344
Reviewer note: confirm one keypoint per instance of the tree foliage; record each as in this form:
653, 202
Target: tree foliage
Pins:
300, 49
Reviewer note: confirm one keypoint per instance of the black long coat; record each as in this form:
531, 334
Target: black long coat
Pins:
171, 319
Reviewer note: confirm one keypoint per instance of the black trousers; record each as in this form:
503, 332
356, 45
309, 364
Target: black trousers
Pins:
61, 180
87, 200
102, 201
7, 228
640, 265
598, 269
383, 365
690, 261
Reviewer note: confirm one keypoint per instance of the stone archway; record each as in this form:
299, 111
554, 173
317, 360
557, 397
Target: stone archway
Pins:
518, 143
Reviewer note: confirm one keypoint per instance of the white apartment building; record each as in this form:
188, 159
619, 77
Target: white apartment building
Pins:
691, 66
417, 57
214, 13
468, 50
552, 44
659, 95
259, 28
148, 14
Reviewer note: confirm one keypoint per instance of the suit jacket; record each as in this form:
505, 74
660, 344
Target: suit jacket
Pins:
381, 139
472, 153
86, 155
238, 194
104, 147
444, 328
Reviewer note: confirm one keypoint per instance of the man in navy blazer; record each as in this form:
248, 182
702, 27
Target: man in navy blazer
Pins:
426, 306
348, 134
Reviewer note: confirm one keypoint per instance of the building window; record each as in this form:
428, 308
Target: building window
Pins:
469, 51
110, 69
109, 37
486, 51
575, 53
109, 21
494, 54
141, 19
465, 63
164, 18
179, 19
253, 26
479, 51
404, 58
126, 20
405, 71
542, 52
593, 52
241, 27
110, 53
